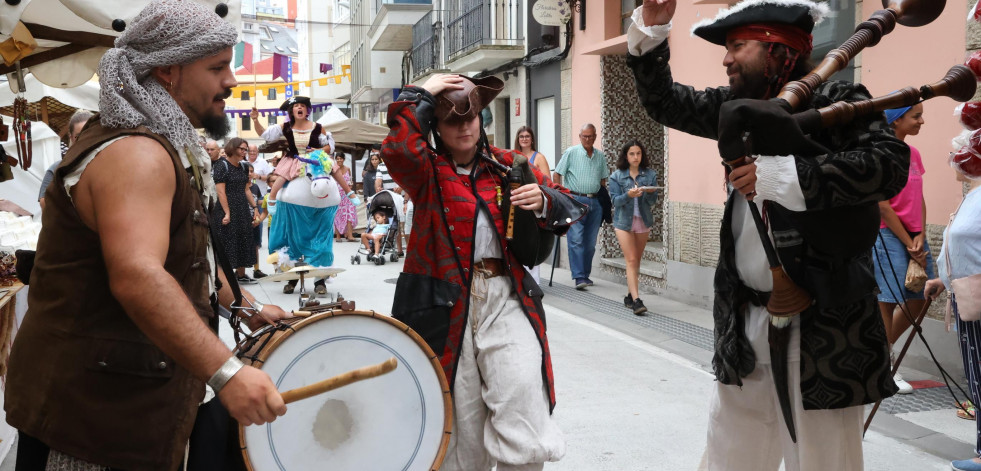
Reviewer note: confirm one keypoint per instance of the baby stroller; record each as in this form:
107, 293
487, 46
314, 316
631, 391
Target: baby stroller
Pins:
390, 204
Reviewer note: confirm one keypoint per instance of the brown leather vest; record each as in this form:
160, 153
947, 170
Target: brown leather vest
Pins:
83, 378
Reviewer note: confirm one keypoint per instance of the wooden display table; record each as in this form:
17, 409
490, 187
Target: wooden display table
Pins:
13, 306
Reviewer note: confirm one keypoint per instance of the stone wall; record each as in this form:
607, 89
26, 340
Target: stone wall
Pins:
622, 119
695, 233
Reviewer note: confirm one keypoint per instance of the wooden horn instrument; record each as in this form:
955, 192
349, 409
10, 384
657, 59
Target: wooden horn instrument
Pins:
959, 84
788, 299
868, 33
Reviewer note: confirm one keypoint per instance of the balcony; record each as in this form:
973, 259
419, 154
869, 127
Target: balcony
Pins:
391, 28
483, 35
427, 54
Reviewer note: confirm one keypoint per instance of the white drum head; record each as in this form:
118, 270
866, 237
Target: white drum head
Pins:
396, 421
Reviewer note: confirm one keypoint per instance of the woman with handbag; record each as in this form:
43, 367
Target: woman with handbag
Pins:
463, 287
959, 265
632, 189
902, 258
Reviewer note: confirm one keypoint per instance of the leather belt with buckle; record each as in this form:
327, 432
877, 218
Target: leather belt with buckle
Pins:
490, 267
586, 195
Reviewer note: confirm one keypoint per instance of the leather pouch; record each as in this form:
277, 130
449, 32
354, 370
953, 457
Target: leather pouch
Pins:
967, 296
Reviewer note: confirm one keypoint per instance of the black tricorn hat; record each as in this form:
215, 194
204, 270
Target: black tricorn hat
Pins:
466, 104
802, 14
288, 104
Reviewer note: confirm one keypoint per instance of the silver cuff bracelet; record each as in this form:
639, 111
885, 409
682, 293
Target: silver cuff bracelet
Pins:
225, 373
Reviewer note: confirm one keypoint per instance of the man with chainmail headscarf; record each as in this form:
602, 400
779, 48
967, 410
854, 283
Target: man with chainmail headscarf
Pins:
112, 357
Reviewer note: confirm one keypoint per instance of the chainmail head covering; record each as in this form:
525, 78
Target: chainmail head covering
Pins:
166, 32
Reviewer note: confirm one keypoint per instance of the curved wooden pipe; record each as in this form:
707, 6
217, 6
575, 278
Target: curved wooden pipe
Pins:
959, 84
340, 380
868, 33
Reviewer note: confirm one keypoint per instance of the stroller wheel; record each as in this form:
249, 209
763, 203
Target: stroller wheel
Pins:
353, 258
357, 258
394, 257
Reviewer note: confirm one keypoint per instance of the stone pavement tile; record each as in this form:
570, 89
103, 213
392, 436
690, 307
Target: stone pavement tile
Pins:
944, 420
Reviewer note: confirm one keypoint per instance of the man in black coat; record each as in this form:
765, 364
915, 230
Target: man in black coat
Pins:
819, 195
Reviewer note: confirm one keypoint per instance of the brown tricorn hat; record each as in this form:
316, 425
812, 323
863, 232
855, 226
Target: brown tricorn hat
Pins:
466, 104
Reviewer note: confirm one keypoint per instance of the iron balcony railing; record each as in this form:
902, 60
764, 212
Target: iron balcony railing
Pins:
425, 44
483, 22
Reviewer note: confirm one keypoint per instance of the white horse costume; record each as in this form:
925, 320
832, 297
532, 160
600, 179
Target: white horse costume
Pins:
304, 215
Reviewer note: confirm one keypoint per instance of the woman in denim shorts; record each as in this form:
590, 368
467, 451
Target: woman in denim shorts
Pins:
902, 237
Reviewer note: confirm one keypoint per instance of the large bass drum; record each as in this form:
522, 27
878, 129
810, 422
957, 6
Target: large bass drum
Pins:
398, 421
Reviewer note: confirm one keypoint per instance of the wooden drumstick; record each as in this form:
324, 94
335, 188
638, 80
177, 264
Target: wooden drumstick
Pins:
340, 380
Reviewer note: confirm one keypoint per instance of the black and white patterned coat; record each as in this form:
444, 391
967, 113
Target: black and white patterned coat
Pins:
844, 357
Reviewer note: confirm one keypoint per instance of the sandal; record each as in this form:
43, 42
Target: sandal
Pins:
966, 411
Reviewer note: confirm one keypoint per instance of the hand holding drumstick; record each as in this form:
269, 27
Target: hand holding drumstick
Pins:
340, 380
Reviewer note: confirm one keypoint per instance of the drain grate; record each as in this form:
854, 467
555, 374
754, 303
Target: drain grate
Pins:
922, 400
688, 333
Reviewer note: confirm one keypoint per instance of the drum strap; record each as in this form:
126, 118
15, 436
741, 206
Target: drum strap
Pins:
225, 266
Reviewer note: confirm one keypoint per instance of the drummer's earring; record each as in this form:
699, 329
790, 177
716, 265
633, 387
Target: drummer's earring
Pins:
169, 86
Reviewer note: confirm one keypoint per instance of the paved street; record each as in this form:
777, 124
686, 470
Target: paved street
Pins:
635, 398
632, 397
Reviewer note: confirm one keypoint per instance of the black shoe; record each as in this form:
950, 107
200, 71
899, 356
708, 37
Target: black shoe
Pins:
289, 287
639, 307
401, 253
581, 284
320, 287
257, 274
245, 280
628, 301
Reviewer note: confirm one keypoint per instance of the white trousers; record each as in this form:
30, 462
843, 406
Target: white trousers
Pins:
747, 432
500, 402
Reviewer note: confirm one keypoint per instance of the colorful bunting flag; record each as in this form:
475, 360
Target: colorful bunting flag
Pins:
281, 66
243, 55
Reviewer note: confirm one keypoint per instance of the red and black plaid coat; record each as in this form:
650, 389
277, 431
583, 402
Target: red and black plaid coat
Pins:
436, 247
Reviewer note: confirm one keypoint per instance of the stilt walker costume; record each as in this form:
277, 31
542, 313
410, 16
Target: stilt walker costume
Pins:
464, 290
819, 195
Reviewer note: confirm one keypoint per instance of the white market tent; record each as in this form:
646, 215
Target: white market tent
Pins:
72, 35
24, 188
354, 131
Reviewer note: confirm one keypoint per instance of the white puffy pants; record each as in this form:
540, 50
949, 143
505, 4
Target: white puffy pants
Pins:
500, 401
746, 429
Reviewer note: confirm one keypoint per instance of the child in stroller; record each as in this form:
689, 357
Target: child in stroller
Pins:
373, 240
380, 236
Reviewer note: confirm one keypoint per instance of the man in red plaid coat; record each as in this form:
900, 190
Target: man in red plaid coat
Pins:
463, 289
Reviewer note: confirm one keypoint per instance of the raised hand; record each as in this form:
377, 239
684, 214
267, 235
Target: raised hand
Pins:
441, 82
658, 12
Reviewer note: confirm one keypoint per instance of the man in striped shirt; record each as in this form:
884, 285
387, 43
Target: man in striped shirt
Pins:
583, 170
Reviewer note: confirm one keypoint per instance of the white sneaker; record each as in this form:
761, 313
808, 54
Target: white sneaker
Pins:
904, 387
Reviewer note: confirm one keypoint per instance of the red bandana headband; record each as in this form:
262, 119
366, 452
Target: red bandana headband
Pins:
790, 36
